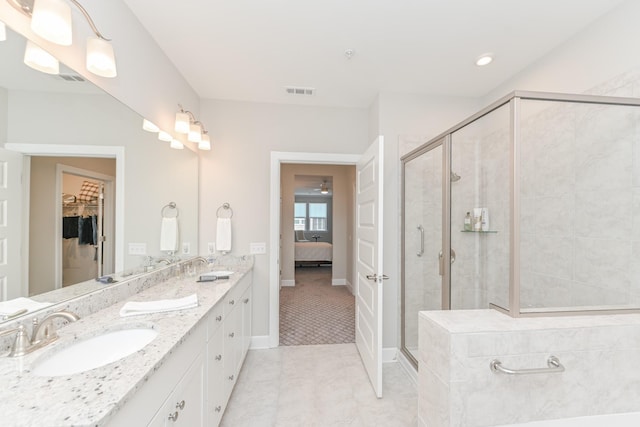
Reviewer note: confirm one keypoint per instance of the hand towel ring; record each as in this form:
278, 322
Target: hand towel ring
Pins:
171, 205
225, 207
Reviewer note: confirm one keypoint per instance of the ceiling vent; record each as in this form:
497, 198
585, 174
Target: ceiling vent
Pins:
305, 91
69, 77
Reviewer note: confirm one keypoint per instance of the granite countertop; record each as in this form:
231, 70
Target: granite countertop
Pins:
90, 398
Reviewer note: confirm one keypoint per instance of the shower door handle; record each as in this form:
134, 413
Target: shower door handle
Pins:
441, 261
421, 228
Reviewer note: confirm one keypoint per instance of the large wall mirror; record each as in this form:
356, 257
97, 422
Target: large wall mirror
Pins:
60, 132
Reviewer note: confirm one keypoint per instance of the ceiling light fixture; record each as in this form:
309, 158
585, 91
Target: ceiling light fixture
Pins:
164, 136
149, 127
177, 145
205, 142
323, 188
484, 59
51, 20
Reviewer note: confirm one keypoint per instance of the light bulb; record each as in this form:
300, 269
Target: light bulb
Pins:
149, 126
182, 122
3, 32
175, 144
164, 136
195, 133
205, 143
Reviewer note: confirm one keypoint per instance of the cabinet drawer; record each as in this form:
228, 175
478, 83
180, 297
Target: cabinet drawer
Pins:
216, 319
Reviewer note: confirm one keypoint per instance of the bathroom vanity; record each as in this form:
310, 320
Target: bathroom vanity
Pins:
184, 376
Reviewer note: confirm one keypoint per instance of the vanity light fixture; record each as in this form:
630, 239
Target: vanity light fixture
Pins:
205, 142
164, 136
187, 123
51, 20
3, 32
39, 59
484, 59
149, 126
175, 144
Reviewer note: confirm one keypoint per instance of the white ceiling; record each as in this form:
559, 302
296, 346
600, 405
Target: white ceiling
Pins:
251, 49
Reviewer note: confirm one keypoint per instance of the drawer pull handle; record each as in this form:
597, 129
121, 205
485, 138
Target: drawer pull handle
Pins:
231, 377
218, 408
219, 357
180, 405
174, 416
246, 300
232, 334
231, 302
219, 318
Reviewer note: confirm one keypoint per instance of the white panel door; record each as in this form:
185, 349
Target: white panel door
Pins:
10, 224
369, 180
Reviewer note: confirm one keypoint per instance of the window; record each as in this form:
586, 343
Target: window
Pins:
310, 217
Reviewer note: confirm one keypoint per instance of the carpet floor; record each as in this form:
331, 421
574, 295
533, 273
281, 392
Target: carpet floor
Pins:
315, 312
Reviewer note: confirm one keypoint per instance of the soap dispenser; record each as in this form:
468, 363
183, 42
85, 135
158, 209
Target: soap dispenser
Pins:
467, 222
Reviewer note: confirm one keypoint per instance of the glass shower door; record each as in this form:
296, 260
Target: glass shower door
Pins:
422, 237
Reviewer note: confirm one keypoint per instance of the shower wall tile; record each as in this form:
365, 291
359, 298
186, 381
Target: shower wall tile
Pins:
599, 353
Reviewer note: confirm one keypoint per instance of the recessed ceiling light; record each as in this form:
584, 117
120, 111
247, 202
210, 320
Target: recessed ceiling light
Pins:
484, 59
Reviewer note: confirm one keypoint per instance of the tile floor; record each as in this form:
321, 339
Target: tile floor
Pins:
314, 311
318, 386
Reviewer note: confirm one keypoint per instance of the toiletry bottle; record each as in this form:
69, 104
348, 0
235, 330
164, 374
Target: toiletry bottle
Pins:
477, 219
485, 219
467, 222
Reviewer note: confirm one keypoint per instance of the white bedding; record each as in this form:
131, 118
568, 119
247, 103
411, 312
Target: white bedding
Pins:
313, 251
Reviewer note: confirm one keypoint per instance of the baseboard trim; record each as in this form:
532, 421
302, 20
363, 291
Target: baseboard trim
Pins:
289, 283
259, 342
350, 287
408, 368
389, 355
338, 282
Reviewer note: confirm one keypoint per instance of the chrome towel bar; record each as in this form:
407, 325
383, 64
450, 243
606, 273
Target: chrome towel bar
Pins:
553, 362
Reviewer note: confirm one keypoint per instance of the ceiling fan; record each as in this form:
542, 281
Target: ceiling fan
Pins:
324, 188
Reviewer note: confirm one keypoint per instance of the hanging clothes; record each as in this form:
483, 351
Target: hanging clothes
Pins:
86, 235
70, 227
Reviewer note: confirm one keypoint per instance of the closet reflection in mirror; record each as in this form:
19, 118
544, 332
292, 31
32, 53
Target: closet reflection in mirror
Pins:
51, 125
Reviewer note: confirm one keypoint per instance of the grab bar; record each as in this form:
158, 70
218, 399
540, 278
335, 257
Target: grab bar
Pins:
421, 228
553, 362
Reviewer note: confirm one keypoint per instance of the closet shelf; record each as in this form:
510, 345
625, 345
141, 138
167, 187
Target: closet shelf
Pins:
479, 231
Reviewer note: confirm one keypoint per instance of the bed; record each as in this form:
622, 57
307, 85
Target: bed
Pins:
313, 252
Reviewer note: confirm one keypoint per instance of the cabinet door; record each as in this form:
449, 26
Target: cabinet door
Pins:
216, 385
246, 321
185, 405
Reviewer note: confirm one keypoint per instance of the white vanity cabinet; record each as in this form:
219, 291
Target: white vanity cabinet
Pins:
185, 405
194, 384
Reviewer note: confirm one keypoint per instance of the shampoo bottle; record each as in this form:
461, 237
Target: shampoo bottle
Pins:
485, 219
467, 222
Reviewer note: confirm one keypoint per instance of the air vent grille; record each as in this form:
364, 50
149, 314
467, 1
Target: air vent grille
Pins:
304, 91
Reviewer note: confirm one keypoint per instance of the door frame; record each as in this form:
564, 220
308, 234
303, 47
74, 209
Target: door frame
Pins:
277, 159
106, 151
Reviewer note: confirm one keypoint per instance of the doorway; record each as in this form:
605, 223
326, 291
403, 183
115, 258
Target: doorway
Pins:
317, 305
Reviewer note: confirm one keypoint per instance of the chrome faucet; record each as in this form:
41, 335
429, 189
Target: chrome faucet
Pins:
43, 333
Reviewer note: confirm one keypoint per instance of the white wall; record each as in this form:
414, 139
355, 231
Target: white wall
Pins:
237, 169
603, 50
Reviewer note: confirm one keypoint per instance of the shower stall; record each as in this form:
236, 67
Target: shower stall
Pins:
531, 207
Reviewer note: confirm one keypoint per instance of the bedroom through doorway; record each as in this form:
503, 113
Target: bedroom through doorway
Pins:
317, 305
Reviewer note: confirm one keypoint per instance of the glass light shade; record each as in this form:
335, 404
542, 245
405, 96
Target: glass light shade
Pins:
100, 58
38, 59
176, 144
205, 143
148, 126
195, 133
182, 122
51, 20
3, 32
164, 136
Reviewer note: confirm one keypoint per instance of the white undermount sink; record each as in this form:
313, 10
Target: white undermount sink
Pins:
93, 352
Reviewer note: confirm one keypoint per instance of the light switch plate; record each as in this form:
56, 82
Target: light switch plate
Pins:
137, 248
258, 248
186, 248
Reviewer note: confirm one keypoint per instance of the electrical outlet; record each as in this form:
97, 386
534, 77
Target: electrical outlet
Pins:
137, 248
211, 248
258, 248
186, 248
